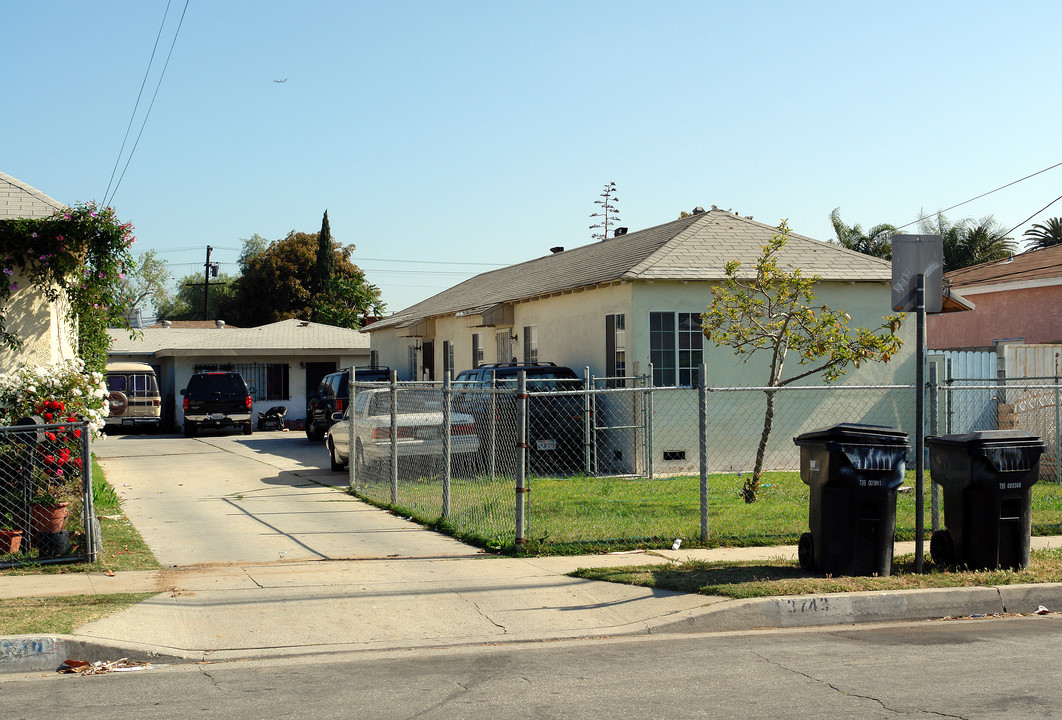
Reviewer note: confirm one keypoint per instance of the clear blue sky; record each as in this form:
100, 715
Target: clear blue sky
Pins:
483, 132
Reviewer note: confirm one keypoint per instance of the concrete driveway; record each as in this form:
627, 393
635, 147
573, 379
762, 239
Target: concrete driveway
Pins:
231, 498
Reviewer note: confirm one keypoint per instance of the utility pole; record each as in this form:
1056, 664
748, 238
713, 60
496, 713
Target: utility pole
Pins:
206, 284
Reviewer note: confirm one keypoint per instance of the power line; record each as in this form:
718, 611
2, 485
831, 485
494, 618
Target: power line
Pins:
136, 105
151, 105
964, 202
1034, 214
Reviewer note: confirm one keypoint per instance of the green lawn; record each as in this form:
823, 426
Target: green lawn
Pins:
575, 515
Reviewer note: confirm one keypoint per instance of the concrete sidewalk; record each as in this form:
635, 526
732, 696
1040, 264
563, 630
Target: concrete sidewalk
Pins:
260, 610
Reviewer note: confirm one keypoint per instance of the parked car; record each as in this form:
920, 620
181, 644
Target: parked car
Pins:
332, 396
555, 423
219, 400
133, 398
419, 434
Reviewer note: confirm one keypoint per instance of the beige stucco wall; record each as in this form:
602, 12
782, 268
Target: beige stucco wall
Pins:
43, 326
571, 331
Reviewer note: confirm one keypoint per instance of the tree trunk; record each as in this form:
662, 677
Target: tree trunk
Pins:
751, 487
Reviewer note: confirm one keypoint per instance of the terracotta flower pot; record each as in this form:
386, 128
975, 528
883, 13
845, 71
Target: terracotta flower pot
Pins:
10, 541
48, 518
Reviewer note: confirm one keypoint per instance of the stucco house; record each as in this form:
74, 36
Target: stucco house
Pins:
284, 361
1016, 300
618, 305
47, 333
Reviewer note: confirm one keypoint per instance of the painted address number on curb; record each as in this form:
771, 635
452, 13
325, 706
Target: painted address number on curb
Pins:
799, 606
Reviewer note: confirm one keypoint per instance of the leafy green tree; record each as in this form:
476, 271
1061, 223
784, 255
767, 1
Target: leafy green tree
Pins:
277, 284
146, 280
1045, 235
186, 302
968, 242
775, 312
254, 245
877, 241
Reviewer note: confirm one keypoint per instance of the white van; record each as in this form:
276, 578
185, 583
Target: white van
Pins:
133, 396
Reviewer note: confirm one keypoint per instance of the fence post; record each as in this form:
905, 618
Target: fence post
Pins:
934, 491
1058, 437
521, 458
493, 425
352, 450
393, 395
447, 444
702, 417
588, 421
93, 535
649, 423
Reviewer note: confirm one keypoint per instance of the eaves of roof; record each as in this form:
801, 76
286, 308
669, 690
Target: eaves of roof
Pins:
19, 200
696, 247
282, 338
1032, 268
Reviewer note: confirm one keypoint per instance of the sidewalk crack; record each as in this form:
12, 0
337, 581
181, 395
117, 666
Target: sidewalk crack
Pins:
836, 689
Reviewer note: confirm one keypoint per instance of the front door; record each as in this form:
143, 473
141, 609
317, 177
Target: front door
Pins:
428, 360
314, 372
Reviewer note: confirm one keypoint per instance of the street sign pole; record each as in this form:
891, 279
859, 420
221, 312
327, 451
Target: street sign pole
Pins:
920, 414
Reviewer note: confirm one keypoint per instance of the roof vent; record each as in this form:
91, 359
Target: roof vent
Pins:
558, 249
304, 323
219, 324
166, 323
619, 231
699, 210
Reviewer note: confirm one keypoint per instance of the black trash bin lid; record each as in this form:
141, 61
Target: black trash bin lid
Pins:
854, 433
988, 438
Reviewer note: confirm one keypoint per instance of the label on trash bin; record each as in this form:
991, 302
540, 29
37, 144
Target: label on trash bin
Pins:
1010, 486
863, 482
814, 465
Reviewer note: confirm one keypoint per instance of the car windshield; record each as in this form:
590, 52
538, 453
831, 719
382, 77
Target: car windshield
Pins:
417, 401
136, 385
223, 383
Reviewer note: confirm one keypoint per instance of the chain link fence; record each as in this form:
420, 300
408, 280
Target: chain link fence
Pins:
613, 463
46, 494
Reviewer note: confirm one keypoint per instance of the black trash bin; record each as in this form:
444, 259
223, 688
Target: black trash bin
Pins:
853, 472
986, 479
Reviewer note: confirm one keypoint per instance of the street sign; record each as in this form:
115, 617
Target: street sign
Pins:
914, 255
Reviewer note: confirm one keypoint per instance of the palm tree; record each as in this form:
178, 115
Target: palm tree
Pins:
1045, 235
876, 242
969, 242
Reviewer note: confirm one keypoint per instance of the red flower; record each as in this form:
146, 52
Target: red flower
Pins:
72, 418
48, 417
50, 436
77, 432
49, 459
77, 463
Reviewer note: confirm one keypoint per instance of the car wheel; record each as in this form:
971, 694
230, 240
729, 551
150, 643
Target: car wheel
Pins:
314, 433
337, 466
248, 428
189, 428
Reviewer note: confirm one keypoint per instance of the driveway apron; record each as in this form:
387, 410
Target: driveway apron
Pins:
230, 498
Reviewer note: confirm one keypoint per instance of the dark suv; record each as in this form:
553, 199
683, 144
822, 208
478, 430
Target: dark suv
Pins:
332, 396
219, 400
555, 423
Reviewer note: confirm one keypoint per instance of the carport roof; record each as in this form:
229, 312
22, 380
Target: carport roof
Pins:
280, 338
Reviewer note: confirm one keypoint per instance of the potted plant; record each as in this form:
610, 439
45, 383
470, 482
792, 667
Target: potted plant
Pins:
10, 535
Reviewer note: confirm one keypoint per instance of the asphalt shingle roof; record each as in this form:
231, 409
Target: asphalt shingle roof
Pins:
19, 200
282, 338
691, 248
1044, 264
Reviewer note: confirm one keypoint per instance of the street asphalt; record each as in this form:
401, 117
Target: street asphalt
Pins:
262, 560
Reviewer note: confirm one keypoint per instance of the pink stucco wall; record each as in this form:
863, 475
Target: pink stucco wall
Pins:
1034, 314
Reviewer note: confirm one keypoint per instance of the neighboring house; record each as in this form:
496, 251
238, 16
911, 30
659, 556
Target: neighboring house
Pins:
1017, 300
284, 361
43, 326
618, 305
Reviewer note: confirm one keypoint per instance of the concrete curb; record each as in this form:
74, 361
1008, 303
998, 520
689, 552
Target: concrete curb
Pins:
30, 653
21, 654
866, 607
